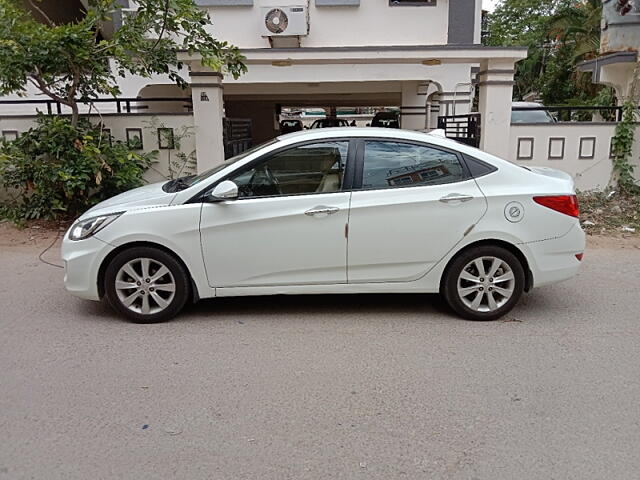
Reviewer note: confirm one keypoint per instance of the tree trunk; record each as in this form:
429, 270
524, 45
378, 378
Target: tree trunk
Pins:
75, 113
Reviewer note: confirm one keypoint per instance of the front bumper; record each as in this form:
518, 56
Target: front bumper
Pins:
82, 260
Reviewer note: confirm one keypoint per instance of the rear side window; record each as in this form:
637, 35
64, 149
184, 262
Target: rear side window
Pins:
395, 164
478, 168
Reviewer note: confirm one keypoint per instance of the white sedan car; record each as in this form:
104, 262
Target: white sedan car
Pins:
343, 210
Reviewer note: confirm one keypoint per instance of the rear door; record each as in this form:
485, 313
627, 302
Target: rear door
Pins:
412, 203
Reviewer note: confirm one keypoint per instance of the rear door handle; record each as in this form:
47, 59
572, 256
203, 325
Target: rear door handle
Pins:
322, 210
456, 197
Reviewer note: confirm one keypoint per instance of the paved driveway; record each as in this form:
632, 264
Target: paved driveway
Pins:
384, 387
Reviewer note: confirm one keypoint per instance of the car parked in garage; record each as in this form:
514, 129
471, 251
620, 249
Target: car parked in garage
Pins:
350, 210
530, 112
329, 122
386, 120
290, 126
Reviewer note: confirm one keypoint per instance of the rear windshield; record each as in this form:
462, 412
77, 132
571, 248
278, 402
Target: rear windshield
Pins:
531, 116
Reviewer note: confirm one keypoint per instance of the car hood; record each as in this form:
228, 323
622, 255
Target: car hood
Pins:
147, 196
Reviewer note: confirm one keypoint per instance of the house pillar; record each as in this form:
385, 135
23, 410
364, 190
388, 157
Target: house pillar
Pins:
496, 93
414, 107
620, 76
208, 112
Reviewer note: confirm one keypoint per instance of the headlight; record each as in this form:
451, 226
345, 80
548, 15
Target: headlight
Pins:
86, 228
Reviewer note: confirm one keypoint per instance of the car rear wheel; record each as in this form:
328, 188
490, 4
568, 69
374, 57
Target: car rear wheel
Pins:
147, 285
484, 283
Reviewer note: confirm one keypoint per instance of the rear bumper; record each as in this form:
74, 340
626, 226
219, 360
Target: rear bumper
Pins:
555, 260
82, 260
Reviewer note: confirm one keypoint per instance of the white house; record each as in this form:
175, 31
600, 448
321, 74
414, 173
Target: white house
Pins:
419, 55
423, 57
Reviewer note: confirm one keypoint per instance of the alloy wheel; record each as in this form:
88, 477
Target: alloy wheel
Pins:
486, 284
145, 286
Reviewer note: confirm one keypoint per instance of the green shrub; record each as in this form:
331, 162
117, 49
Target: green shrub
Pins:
56, 169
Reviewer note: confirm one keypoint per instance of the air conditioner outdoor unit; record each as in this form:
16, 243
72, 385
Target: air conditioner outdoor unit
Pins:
285, 21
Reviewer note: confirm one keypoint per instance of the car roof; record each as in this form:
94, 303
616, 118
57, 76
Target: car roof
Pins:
336, 132
435, 138
526, 104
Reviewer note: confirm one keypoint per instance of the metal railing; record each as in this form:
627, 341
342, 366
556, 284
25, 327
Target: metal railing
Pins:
238, 137
122, 105
577, 113
463, 128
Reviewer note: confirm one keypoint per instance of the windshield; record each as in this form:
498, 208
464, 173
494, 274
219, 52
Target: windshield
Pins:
195, 179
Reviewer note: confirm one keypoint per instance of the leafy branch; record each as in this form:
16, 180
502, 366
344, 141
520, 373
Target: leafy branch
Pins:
71, 62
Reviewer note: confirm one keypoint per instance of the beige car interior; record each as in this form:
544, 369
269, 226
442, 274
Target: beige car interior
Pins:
307, 170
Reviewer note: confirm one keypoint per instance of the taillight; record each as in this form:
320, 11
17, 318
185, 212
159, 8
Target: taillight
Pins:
567, 204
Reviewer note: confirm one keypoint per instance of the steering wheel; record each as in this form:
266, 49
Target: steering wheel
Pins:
272, 179
262, 183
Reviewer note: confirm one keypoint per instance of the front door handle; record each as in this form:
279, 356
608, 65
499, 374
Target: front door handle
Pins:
322, 210
456, 197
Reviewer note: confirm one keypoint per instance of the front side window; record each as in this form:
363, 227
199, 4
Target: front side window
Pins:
192, 180
312, 168
394, 164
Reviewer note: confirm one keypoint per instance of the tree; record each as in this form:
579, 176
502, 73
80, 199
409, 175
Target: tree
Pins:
524, 23
559, 35
520, 22
578, 23
73, 62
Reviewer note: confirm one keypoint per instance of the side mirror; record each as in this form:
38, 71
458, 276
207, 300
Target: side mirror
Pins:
226, 190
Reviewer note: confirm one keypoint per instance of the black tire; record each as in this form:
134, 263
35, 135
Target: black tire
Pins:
449, 286
178, 275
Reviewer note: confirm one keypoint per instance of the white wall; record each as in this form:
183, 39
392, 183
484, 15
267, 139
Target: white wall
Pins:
589, 173
372, 23
118, 125
447, 75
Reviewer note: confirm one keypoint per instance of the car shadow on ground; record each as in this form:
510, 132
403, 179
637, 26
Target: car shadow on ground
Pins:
542, 305
296, 306
327, 304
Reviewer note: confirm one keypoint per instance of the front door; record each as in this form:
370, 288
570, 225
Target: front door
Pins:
288, 225
415, 204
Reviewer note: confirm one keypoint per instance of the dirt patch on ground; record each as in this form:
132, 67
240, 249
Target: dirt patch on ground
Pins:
38, 233
610, 213
610, 241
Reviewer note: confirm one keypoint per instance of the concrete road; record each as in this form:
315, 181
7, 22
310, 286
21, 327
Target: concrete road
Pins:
382, 387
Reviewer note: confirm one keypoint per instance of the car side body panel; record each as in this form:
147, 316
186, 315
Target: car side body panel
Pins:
175, 228
276, 240
399, 234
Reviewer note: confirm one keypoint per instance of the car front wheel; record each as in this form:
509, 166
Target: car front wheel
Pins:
484, 283
147, 285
